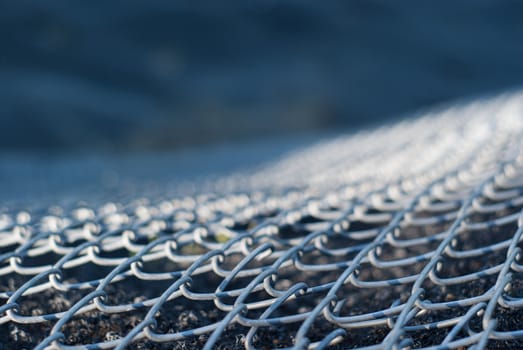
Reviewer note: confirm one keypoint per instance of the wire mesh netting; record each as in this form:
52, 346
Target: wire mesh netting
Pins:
407, 236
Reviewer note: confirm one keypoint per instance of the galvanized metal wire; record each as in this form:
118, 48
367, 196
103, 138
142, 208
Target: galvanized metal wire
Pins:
408, 236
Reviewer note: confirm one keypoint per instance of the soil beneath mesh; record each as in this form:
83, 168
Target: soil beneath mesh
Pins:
184, 314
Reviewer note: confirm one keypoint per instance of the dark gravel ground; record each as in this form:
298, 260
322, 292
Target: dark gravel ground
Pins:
181, 314
184, 314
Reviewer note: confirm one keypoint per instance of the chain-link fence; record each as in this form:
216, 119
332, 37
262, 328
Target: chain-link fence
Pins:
404, 237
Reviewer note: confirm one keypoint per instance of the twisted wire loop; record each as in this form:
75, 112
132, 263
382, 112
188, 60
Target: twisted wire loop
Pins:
408, 236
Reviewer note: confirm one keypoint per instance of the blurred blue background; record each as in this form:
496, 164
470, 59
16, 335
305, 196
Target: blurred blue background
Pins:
160, 75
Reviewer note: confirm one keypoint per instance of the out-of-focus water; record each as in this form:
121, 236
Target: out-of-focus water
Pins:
141, 75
